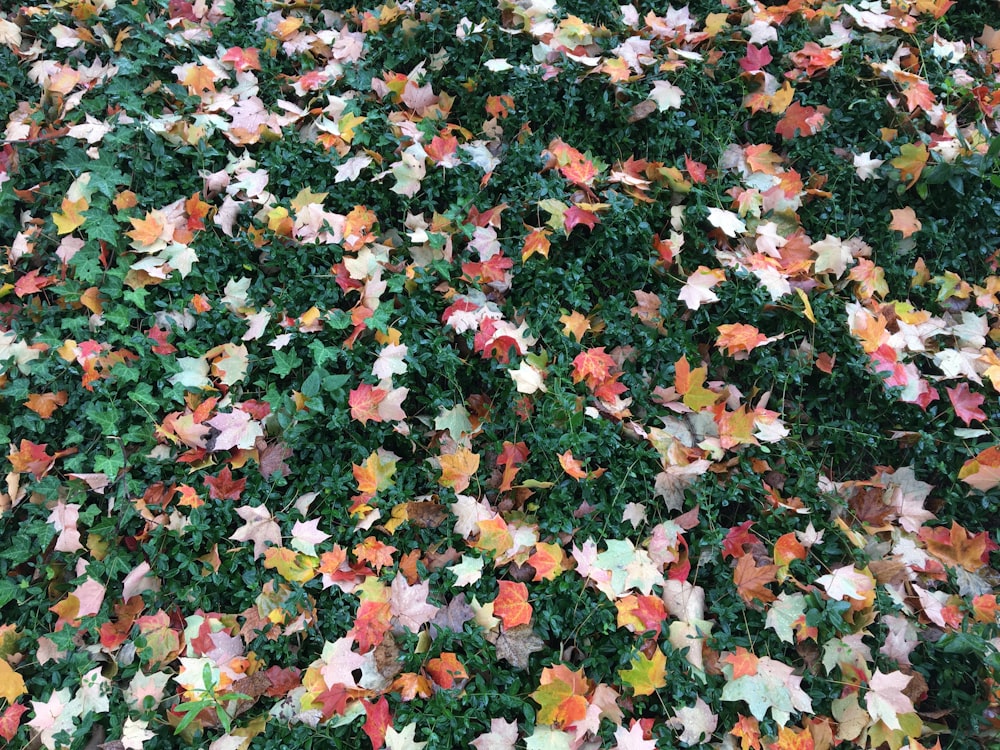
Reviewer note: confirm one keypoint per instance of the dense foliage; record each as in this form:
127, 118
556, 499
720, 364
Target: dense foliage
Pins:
504, 372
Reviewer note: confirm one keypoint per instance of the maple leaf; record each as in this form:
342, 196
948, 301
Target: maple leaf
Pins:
774, 687
364, 402
690, 384
10, 720
982, 471
236, 429
576, 215
32, 283
502, 736
224, 487
905, 221
45, 404
70, 218
457, 469
409, 603
747, 729
799, 120
548, 560
516, 645
696, 723
242, 59
730, 223
790, 739
404, 740
291, 565
633, 738
575, 469
593, 365
11, 683
755, 59
377, 721
561, 696
258, 527
666, 96
739, 338
575, 325
911, 162
966, 403
698, 289
885, 699
956, 546
511, 604
848, 582
446, 670
646, 674
751, 579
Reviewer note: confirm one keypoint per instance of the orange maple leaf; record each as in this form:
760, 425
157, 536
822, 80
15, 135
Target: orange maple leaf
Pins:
905, 221
911, 162
446, 669
457, 469
747, 729
511, 605
956, 546
742, 661
575, 469
536, 241
575, 325
789, 739
690, 384
738, 338
364, 401
751, 579
150, 231
45, 404
593, 365
562, 696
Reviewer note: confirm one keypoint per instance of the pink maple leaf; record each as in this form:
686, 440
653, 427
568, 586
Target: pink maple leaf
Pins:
967, 403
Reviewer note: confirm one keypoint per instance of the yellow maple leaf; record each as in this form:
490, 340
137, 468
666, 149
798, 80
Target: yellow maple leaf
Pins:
11, 683
70, 219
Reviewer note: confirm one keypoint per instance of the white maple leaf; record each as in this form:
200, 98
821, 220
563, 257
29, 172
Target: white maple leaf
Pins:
666, 95
698, 289
730, 223
885, 699
259, 527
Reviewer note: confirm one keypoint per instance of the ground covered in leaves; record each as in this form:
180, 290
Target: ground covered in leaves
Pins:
504, 373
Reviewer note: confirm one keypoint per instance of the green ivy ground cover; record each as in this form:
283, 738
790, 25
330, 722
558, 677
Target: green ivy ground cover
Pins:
511, 374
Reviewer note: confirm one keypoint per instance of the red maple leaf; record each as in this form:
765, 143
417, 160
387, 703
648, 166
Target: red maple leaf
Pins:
224, 487
575, 215
378, 721
799, 120
757, 58
32, 282
10, 720
511, 458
